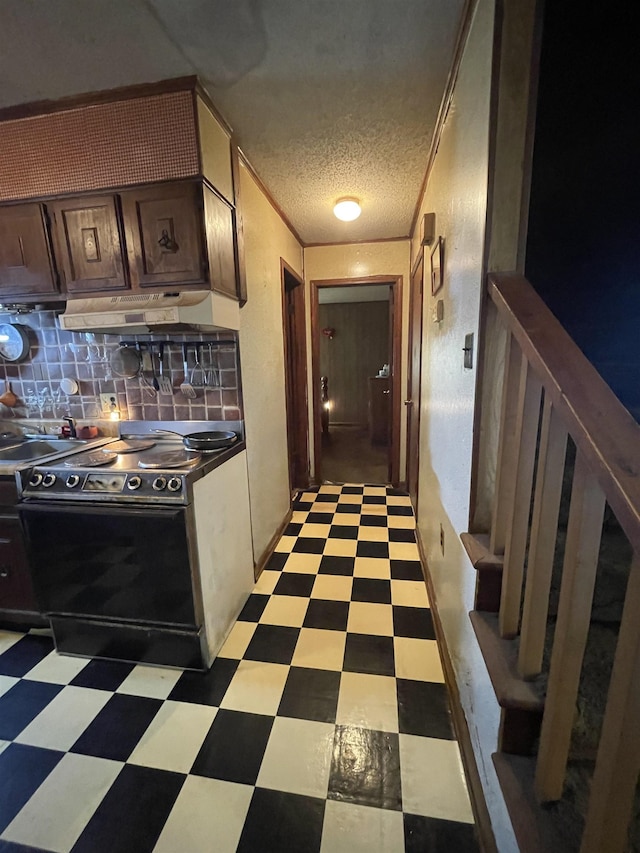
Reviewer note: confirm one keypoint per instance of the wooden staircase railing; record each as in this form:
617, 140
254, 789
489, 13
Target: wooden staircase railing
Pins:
551, 392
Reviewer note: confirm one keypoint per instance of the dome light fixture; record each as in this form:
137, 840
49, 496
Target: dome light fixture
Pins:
347, 209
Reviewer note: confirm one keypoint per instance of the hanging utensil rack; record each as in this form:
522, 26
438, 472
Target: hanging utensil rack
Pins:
198, 344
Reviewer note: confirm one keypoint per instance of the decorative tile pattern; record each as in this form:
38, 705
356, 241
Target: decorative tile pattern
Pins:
85, 357
322, 727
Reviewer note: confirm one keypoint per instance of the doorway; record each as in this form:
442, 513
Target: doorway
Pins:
295, 369
356, 379
416, 300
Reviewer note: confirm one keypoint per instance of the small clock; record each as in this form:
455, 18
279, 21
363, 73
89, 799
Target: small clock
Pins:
14, 342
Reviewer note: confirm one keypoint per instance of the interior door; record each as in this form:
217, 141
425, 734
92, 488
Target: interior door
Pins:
295, 350
413, 380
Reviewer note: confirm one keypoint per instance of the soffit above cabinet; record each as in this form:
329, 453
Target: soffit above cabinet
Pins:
103, 145
114, 139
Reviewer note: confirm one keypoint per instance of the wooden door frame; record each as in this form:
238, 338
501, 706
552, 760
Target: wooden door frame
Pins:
300, 418
395, 283
419, 261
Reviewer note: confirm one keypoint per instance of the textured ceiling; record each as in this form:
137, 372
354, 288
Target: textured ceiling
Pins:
327, 97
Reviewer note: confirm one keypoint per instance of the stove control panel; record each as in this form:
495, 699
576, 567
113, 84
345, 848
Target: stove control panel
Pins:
113, 486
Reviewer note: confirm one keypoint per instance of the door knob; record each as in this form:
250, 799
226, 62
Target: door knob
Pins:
408, 402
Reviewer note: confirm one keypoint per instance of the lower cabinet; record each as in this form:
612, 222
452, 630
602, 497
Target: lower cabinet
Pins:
17, 598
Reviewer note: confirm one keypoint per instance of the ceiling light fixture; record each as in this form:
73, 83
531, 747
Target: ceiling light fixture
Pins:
347, 209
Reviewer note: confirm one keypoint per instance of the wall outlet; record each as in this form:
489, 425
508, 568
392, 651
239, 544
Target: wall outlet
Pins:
108, 402
442, 539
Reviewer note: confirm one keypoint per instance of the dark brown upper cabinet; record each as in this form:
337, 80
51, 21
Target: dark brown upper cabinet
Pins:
172, 236
26, 268
88, 243
165, 235
219, 228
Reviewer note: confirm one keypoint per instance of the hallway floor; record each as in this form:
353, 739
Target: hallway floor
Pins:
323, 724
348, 456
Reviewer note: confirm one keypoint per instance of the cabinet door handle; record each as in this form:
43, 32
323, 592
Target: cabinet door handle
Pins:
4, 571
408, 402
5, 541
385, 392
167, 242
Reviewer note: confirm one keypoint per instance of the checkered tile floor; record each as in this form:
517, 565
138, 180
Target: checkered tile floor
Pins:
323, 724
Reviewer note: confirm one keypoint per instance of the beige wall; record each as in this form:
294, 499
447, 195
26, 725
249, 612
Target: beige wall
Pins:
457, 192
267, 239
359, 260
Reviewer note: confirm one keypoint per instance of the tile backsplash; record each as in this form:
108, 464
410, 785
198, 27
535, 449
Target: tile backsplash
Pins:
86, 357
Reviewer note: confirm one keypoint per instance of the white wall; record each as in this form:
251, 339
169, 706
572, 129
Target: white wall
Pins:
267, 239
457, 192
359, 260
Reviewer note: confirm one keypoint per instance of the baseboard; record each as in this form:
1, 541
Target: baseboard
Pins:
268, 551
484, 829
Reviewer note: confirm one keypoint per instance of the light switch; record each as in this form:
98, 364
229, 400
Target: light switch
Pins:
468, 351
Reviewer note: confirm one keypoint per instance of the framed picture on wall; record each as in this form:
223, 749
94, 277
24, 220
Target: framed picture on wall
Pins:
437, 265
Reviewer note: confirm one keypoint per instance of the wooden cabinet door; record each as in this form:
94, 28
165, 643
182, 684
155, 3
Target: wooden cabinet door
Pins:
16, 588
25, 258
89, 244
221, 254
164, 231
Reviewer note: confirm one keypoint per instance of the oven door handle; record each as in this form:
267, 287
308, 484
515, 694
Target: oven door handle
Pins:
106, 509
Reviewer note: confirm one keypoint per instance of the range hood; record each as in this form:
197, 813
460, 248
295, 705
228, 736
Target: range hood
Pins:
198, 311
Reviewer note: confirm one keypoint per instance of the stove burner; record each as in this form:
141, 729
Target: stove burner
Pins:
177, 459
91, 460
128, 446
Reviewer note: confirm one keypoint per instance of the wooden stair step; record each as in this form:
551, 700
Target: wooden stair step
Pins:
535, 828
489, 570
520, 702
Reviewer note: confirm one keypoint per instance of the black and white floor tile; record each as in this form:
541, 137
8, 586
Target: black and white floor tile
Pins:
323, 725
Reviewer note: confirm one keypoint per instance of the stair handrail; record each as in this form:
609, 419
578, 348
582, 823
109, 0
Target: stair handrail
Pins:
600, 426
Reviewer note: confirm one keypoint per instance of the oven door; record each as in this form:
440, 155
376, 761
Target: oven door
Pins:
111, 562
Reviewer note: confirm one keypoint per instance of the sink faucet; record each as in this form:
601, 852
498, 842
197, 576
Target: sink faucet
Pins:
72, 427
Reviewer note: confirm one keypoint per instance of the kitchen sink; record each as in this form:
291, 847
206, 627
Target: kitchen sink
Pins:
37, 448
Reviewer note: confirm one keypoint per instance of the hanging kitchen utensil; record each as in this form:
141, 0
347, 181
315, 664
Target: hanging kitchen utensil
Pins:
8, 399
163, 380
205, 441
197, 372
186, 387
14, 342
154, 378
144, 380
212, 378
125, 362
